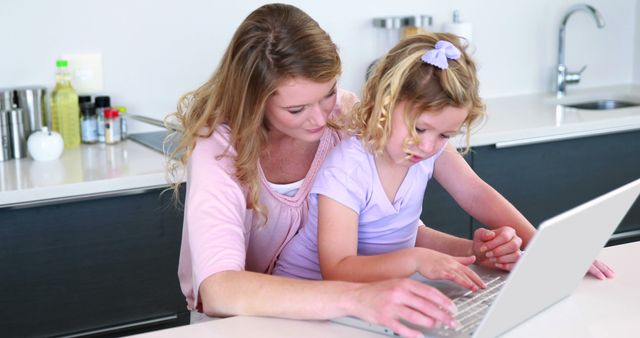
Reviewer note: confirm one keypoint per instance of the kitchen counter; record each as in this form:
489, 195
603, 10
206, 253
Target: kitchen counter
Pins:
101, 169
539, 118
86, 171
90, 244
596, 309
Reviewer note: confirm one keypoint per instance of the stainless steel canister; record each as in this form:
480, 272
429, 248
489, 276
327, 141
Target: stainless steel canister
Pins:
5, 136
18, 139
32, 102
6, 99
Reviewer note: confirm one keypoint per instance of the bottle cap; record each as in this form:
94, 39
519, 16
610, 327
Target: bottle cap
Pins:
122, 109
456, 16
102, 101
110, 113
390, 22
84, 98
62, 63
87, 109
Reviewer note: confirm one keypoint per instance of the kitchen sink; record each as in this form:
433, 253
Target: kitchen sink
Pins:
157, 140
603, 104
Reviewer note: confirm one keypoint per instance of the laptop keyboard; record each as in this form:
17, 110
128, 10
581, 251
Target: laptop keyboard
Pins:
472, 306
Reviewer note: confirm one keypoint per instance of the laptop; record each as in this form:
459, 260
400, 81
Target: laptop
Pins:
528, 289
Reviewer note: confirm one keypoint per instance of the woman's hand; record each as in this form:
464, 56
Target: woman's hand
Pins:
437, 265
389, 301
600, 270
498, 248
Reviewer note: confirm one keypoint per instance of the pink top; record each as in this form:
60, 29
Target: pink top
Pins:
218, 232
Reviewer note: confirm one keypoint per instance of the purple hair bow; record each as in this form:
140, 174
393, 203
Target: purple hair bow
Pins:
438, 56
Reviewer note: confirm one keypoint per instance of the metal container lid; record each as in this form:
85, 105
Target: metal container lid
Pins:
6, 98
28, 88
417, 20
389, 22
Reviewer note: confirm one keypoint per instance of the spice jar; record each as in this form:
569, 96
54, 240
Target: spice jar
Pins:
102, 103
88, 123
111, 126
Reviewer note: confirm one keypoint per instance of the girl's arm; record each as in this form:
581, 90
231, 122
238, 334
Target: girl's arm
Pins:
506, 251
486, 205
440, 241
477, 197
339, 260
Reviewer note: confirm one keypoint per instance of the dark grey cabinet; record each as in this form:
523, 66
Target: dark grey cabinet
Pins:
101, 267
545, 179
441, 212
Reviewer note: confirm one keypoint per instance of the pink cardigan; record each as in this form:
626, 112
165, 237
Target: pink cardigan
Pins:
219, 233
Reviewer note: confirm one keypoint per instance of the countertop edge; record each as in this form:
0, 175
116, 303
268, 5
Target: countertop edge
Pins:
82, 190
549, 135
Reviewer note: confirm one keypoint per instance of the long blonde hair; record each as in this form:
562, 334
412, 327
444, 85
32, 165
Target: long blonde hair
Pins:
274, 43
401, 76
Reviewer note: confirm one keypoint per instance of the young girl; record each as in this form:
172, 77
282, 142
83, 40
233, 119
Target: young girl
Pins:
366, 201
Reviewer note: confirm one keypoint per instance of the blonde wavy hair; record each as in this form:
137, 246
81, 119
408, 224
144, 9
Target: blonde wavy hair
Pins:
401, 76
276, 42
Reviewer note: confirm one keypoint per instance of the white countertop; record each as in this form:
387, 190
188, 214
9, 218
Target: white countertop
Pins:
541, 117
84, 171
99, 169
596, 309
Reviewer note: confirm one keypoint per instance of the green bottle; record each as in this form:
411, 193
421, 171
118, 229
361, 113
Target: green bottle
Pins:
65, 110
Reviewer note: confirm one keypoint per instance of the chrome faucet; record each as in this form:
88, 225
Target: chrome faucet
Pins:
564, 76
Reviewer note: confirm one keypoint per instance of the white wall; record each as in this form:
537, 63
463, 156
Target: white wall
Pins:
155, 50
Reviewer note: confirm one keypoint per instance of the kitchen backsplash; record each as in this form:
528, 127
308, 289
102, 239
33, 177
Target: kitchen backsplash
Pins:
154, 52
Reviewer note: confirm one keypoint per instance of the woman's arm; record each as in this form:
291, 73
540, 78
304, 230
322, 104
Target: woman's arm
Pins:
339, 260
249, 293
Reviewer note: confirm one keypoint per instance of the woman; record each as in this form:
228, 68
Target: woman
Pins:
254, 137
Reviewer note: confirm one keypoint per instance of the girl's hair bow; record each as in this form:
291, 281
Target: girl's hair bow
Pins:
438, 56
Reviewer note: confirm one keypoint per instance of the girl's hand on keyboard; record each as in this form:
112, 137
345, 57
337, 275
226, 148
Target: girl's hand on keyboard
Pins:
498, 248
436, 265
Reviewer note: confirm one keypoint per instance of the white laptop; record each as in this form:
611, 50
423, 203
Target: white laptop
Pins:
563, 248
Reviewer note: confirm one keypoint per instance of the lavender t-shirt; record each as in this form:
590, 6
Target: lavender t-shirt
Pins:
348, 176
